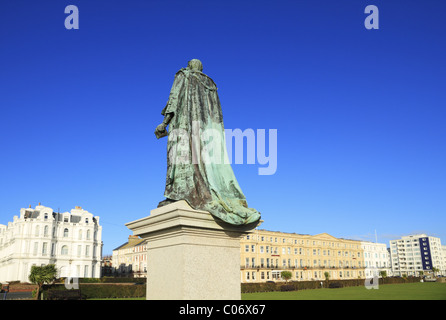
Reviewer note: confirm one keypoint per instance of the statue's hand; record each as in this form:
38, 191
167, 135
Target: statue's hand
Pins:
160, 130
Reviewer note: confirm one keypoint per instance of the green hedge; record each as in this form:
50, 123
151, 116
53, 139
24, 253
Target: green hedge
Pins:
112, 280
302, 285
112, 291
103, 291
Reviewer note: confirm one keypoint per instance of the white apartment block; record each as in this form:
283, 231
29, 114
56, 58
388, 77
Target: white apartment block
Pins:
376, 259
417, 254
40, 236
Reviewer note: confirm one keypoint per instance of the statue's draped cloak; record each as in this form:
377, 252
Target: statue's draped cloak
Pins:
198, 169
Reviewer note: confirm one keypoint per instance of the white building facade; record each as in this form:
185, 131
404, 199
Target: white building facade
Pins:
417, 254
376, 259
40, 236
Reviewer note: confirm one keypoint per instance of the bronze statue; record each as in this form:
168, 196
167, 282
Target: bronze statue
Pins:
198, 169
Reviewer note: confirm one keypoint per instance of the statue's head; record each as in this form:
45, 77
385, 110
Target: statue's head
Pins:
195, 65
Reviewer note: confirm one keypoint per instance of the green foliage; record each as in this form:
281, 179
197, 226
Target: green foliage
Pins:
104, 291
303, 285
112, 280
286, 275
41, 275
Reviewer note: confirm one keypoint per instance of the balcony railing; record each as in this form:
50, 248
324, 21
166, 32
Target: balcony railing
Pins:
272, 267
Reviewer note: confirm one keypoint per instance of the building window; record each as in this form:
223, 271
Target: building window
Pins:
44, 249
65, 233
64, 251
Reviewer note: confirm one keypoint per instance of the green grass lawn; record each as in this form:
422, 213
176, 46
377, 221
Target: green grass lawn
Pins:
407, 291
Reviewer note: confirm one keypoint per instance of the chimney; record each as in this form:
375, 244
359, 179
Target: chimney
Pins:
133, 240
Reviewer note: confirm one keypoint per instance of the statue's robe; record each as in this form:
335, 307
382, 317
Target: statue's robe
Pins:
198, 169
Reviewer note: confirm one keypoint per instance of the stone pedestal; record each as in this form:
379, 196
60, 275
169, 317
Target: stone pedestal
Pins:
190, 255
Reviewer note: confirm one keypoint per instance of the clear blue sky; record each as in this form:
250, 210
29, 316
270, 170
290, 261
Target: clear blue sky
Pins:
360, 114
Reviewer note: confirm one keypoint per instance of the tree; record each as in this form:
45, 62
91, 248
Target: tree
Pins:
42, 275
435, 270
327, 275
286, 275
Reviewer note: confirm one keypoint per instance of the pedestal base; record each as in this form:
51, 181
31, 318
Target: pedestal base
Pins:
190, 256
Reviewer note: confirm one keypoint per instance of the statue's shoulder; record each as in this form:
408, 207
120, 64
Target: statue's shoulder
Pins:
182, 71
204, 75
198, 74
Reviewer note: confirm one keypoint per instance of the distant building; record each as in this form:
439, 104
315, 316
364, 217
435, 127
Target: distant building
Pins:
376, 259
417, 254
265, 254
443, 253
130, 259
106, 265
40, 236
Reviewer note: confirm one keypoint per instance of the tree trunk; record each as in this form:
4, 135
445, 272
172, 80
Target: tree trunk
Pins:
38, 292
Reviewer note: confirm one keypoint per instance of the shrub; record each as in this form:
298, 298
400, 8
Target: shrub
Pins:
335, 285
103, 291
303, 285
287, 287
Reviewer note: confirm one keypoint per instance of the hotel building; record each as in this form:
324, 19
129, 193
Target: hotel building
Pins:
376, 259
265, 254
40, 236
